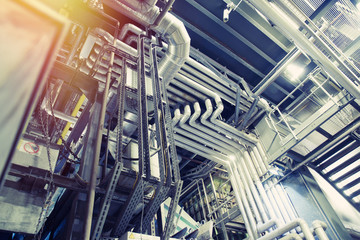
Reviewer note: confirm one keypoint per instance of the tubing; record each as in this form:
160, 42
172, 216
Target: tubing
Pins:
171, 28
291, 236
254, 191
281, 230
284, 22
319, 228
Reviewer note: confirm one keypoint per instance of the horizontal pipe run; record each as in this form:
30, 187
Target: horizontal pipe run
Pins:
289, 226
319, 228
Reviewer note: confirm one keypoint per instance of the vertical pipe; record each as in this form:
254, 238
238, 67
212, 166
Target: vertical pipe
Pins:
284, 200
201, 201
254, 191
205, 194
94, 167
273, 203
280, 205
249, 195
256, 163
240, 187
247, 219
217, 204
262, 192
260, 154
319, 228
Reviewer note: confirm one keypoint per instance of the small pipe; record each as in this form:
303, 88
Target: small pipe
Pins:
292, 236
289, 226
265, 226
319, 228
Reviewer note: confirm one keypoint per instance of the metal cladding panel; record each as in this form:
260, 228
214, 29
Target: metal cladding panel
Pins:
29, 35
311, 204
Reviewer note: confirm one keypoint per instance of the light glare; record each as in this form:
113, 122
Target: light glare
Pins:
294, 71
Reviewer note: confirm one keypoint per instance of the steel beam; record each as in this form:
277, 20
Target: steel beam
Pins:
229, 29
221, 47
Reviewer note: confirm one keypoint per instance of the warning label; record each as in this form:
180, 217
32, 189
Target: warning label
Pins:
29, 147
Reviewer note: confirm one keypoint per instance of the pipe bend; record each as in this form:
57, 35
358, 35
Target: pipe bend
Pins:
185, 117
209, 110
319, 224
196, 114
176, 118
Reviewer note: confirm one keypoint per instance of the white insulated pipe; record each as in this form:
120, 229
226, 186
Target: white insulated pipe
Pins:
280, 204
274, 204
238, 188
262, 192
249, 193
288, 227
256, 163
319, 228
254, 191
292, 236
284, 200
171, 28
285, 23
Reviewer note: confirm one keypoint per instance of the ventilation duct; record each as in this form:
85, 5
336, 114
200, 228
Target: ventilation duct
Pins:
170, 28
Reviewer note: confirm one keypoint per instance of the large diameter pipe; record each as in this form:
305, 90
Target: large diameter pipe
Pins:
171, 28
285, 23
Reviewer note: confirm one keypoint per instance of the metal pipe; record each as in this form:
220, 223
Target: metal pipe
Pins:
253, 195
276, 71
262, 158
292, 236
247, 211
201, 201
248, 192
205, 194
292, 30
247, 159
262, 192
236, 187
256, 164
95, 163
265, 226
280, 204
217, 203
171, 28
284, 200
281, 230
319, 228
220, 206
273, 204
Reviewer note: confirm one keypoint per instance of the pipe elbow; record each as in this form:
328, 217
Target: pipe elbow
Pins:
319, 224
196, 114
209, 110
185, 117
219, 108
177, 116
